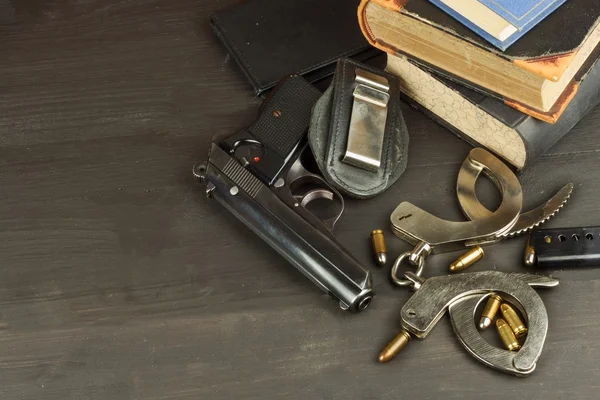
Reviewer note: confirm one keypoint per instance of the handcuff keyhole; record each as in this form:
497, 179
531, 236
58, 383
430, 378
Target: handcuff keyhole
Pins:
402, 217
411, 313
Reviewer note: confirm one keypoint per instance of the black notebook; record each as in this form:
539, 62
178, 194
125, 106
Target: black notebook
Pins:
271, 39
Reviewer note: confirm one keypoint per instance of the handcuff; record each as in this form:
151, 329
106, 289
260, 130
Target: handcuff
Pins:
430, 234
461, 294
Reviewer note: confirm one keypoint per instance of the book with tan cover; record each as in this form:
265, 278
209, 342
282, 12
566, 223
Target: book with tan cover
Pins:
487, 122
538, 75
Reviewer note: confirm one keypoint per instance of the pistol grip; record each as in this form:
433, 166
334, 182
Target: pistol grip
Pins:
267, 146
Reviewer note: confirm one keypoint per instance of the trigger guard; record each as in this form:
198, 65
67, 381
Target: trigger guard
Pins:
328, 194
316, 194
298, 173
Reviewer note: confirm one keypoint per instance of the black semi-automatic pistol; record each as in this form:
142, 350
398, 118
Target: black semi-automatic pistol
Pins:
262, 175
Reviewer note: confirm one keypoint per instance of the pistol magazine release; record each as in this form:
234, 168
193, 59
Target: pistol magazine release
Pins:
261, 175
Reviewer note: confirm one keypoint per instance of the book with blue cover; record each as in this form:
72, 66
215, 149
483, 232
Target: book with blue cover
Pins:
500, 22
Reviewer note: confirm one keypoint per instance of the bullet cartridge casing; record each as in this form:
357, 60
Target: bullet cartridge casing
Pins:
394, 346
507, 336
513, 320
378, 241
490, 311
467, 259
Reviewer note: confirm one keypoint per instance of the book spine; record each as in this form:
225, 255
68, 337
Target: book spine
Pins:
394, 6
363, 24
539, 137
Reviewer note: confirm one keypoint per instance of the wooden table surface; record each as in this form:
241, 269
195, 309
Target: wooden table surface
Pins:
120, 280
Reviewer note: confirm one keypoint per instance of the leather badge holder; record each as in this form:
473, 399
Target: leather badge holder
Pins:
331, 124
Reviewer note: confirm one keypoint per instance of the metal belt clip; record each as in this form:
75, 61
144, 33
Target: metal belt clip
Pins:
367, 122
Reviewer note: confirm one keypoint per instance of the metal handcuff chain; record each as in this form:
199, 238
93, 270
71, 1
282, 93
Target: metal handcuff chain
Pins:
398, 263
415, 258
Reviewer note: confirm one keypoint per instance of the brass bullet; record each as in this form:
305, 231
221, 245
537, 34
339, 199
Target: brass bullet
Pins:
530, 257
490, 311
507, 335
394, 347
378, 241
467, 259
513, 320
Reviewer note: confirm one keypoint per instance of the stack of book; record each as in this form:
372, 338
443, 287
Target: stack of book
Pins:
513, 76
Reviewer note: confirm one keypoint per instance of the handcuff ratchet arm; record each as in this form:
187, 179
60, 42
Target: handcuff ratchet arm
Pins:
415, 225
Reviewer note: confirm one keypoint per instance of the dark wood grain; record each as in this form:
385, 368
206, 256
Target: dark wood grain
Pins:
120, 280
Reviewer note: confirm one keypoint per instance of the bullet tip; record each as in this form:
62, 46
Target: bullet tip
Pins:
381, 258
485, 323
383, 358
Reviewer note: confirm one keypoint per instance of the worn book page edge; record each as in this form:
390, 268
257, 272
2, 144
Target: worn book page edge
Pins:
450, 106
427, 43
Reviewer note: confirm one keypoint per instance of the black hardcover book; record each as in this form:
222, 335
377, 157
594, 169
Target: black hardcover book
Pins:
271, 39
488, 122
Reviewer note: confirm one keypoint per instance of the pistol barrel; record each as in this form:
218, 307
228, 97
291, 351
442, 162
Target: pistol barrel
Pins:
299, 239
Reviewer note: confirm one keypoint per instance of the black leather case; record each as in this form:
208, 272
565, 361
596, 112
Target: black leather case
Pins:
328, 135
271, 39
